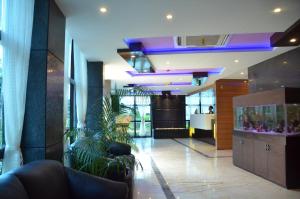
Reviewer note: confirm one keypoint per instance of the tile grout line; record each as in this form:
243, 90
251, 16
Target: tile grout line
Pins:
163, 184
195, 150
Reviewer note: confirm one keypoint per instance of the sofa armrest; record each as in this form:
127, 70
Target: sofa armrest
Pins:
85, 186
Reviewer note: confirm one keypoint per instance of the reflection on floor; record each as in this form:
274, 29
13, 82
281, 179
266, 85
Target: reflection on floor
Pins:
187, 168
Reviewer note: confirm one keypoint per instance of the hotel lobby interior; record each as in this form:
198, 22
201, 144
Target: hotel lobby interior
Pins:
149, 99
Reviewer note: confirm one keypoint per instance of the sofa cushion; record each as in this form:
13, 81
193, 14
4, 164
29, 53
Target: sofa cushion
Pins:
44, 180
11, 187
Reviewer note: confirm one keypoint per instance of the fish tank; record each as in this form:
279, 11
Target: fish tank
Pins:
273, 118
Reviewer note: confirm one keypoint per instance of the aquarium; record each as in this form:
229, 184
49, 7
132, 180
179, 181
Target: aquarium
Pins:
284, 119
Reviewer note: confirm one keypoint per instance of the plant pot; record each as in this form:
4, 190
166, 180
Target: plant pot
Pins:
118, 149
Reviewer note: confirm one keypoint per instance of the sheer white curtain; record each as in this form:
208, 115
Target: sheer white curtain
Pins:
141, 110
16, 40
80, 75
67, 69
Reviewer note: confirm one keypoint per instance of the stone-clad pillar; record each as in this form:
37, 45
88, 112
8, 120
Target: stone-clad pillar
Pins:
42, 136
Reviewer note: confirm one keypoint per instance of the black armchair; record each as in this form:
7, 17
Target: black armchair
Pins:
49, 179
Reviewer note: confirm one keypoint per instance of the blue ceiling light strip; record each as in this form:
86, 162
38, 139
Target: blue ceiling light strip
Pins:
205, 50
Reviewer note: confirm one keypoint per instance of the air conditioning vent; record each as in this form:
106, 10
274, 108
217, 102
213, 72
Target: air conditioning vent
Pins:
201, 41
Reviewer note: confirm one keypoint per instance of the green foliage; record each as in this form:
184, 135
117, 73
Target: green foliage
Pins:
89, 152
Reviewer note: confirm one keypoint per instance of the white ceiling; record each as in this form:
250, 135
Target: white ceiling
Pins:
100, 35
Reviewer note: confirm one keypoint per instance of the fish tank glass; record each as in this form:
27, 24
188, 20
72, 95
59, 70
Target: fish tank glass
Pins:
284, 119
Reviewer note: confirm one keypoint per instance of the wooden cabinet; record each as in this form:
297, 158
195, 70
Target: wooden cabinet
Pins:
243, 152
266, 156
260, 158
276, 164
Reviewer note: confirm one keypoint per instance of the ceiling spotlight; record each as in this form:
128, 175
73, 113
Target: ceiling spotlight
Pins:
277, 10
132, 56
242, 73
236, 61
103, 9
293, 40
169, 16
282, 86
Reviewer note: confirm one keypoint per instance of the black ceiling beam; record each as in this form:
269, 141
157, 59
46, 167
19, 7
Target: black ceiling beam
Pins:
281, 39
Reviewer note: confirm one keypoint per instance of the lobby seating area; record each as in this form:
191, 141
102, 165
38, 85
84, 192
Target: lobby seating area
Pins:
159, 99
50, 179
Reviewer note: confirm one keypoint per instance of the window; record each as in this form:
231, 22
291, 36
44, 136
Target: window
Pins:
207, 98
199, 103
140, 126
192, 106
1, 99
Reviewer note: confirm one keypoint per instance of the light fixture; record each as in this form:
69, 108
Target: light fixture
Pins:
277, 10
236, 61
242, 73
282, 86
132, 56
293, 40
103, 9
284, 62
169, 16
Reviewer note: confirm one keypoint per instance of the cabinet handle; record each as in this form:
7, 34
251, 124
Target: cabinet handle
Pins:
268, 147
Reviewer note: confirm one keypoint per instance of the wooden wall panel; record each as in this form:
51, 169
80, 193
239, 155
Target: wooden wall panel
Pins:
226, 89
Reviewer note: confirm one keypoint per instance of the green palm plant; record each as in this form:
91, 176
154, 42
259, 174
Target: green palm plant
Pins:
90, 151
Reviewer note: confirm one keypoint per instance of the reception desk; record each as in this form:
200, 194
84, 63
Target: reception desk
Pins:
204, 127
202, 121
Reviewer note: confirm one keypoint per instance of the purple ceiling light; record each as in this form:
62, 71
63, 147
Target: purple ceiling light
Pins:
177, 72
235, 43
166, 84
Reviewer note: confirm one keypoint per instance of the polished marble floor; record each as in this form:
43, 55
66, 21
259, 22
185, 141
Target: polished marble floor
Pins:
188, 169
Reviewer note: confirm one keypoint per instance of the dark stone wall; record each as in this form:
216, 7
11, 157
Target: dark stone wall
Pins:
42, 136
168, 111
279, 71
95, 94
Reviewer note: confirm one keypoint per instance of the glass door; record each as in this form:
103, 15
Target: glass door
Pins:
141, 125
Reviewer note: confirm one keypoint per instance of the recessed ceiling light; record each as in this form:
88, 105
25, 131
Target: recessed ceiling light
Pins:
236, 61
242, 73
284, 62
282, 86
132, 56
277, 10
103, 9
293, 40
169, 16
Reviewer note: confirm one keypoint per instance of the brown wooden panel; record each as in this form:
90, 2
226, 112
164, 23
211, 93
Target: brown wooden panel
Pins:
226, 89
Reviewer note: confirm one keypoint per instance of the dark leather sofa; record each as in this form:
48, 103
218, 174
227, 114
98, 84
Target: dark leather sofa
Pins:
51, 180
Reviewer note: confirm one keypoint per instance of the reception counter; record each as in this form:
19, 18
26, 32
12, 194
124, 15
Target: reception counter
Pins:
204, 127
202, 121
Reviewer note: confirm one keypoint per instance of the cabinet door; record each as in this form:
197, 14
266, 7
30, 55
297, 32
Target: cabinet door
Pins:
247, 154
237, 151
276, 164
260, 158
